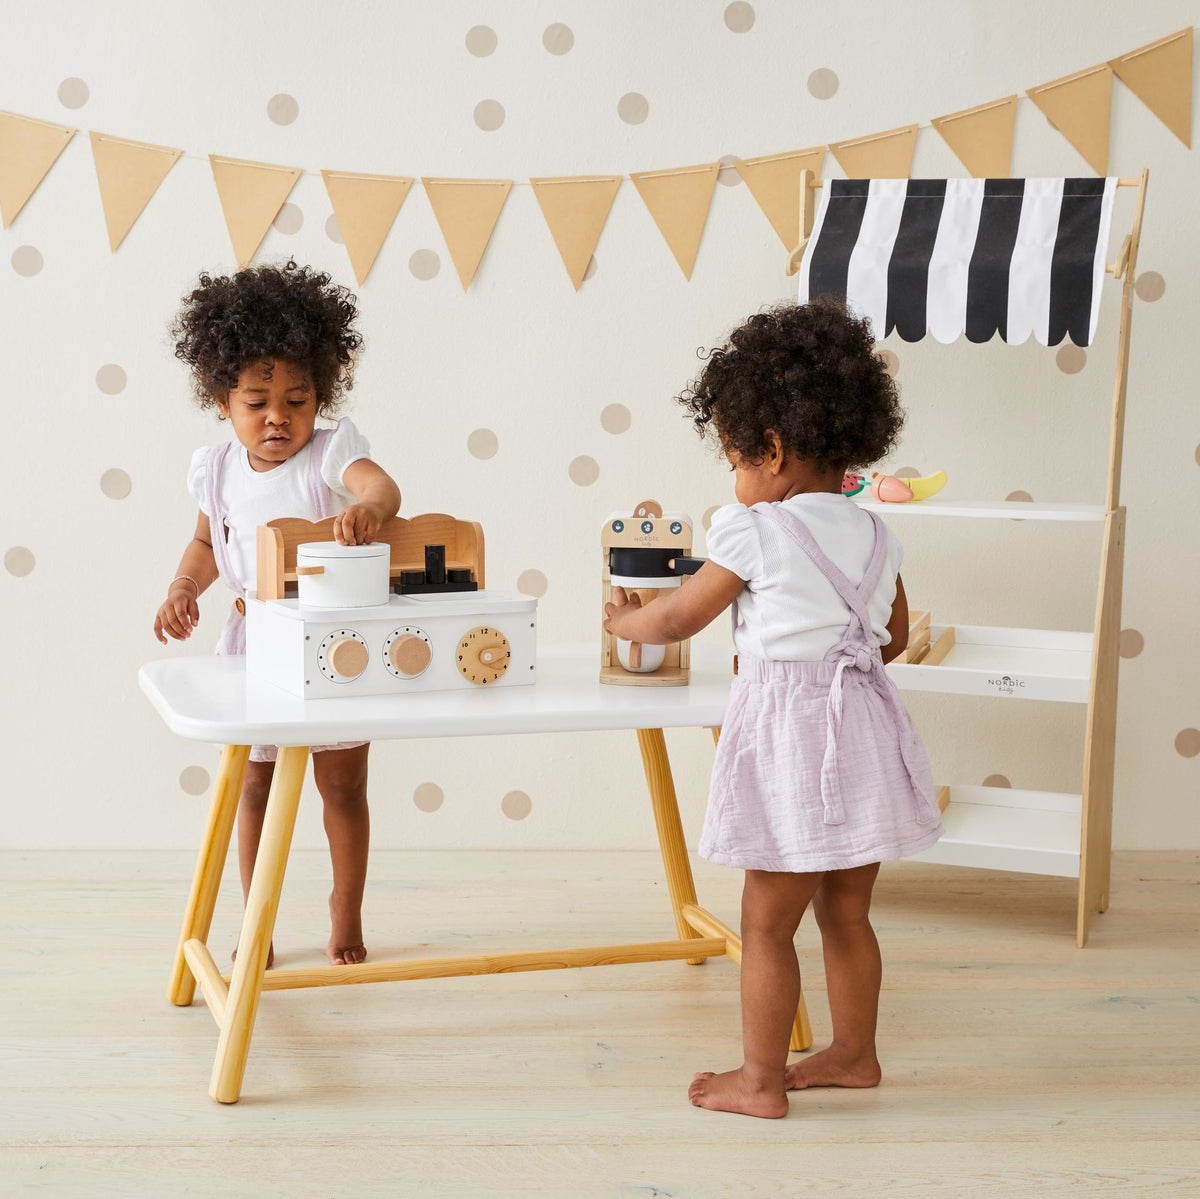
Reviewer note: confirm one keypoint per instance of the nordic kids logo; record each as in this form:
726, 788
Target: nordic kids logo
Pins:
1006, 684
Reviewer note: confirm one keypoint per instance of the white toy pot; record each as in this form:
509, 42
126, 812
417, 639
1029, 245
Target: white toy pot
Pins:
329, 575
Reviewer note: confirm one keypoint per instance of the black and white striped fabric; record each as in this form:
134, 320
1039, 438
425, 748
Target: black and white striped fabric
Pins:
953, 256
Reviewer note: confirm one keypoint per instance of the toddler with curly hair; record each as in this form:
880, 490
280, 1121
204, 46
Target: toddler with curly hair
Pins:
271, 349
819, 775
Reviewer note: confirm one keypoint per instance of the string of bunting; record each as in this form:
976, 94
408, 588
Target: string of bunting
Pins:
576, 207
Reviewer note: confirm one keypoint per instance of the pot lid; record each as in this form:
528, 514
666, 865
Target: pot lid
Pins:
331, 549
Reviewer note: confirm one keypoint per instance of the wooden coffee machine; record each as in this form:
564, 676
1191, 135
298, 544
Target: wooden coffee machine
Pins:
646, 553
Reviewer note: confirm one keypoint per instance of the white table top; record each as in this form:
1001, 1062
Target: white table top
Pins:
211, 699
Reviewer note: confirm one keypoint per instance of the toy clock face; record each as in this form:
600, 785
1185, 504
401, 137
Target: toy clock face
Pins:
483, 655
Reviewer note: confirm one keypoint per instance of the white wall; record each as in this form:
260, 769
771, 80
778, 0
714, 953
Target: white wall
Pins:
391, 88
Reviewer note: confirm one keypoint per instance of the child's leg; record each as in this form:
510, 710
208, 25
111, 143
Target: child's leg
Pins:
772, 905
252, 808
341, 777
853, 972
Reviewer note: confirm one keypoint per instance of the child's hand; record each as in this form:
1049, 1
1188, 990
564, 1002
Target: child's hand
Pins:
178, 616
622, 606
356, 525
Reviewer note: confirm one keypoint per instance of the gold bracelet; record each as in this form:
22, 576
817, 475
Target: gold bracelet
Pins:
189, 579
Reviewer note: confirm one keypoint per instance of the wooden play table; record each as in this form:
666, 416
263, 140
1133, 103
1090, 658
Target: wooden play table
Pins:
212, 699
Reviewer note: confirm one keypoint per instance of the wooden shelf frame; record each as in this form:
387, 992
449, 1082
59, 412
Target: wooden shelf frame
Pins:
970, 816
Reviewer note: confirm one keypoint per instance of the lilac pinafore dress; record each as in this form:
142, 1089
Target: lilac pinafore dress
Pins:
233, 635
818, 766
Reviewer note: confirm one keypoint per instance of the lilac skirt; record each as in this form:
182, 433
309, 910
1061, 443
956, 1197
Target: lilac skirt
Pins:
772, 804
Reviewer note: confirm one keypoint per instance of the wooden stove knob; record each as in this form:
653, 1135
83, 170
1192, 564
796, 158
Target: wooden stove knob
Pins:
347, 658
410, 654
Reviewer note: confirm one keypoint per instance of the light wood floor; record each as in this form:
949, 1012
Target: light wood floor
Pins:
1014, 1064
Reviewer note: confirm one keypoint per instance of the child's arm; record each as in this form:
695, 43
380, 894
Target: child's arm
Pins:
677, 615
179, 613
377, 499
897, 625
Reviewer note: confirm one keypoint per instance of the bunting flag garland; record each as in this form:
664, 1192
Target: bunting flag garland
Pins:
365, 207
1160, 75
1079, 107
679, 201
28, 149
880, 156
948, 256
774, 182
467, 211
251, 194
128, 173
575, 209
982, 137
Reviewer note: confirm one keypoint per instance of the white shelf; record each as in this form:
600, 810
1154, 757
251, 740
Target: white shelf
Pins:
995, 828
993, 509
1010, 663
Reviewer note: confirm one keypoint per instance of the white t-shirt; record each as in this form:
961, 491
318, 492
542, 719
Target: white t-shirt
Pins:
789, 610
252, 497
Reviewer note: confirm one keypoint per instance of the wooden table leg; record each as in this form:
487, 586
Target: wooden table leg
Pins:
209, 866
258, 924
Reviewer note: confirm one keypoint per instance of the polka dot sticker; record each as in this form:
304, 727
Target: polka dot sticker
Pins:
532, 582
706, 519
906, 472
822, 83
558, 39
111, 379
996, 780
19, 561
482, 443
27, 260
516, 805
1019, 497
728, 175
633, 108
1187, 742
1070, 359
73, 93
289, 219
591, 269
584, 470
489, 115
428, 797
332, 231
193, 780
481, 41
1196, 455
739, 17
1150, 286
115, 484
616, 418
889, 362
283, 109
424, 264
1131, 643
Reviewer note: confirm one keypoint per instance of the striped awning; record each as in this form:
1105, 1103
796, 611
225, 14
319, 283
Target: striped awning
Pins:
953, 256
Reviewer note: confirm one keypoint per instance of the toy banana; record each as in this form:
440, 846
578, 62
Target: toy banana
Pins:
927, 485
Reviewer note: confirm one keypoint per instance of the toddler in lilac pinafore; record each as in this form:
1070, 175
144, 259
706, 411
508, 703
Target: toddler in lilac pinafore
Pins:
818, 766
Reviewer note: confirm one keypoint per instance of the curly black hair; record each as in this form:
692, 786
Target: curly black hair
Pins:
810, 373
266, 312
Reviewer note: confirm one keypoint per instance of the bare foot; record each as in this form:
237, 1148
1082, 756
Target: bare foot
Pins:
833, 1068
733, 1092
345, 946
270, 956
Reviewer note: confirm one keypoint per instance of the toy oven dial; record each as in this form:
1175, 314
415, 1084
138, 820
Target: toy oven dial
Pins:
407, 652
343, 656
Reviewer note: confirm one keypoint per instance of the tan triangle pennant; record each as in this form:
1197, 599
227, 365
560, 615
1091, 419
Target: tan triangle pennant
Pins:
365, 207
467, 211
128, 173
774, 181
1160, 75
679, 201
575, 208
1079, 107
982, 137
252, 193
880, 156
28, 149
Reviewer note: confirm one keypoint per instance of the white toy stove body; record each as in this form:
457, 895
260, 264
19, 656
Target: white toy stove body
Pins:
412, 643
